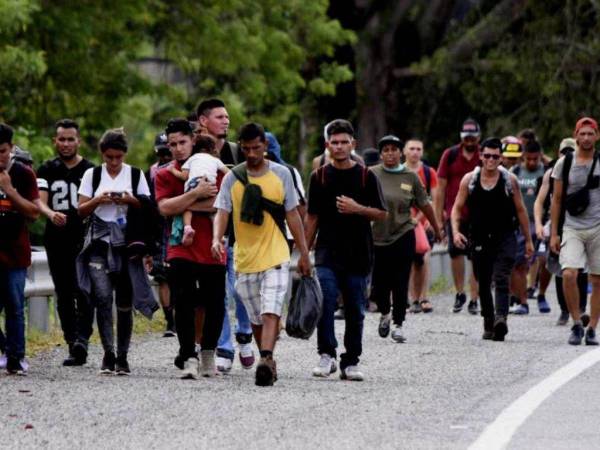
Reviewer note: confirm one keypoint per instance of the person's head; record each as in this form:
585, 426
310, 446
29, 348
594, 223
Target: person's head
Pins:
66, 139
113, 146
273, 148
204, 144
213, 117
161, 149
586, 133
491, 156
390, 150
470, 134
253, 143
340, 139
371, 156
526, 135
532, 157
6, 145
566, 145
413, 150
180, 138
511, 151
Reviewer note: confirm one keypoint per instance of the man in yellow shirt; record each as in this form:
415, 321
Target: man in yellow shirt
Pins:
260, 196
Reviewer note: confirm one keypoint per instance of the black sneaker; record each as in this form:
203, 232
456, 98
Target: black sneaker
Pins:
122, 366
472, 307
563, 319
488, 328
339, 314
384, 325
14, 367
576, 335
590, 337
265, 372
585, 319
169, 332
531, 292
500, 329
415, 308
77, 355
108, 364
460, 301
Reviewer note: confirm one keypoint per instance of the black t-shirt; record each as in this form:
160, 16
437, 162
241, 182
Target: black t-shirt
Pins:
344, 241
226, 154
62, 185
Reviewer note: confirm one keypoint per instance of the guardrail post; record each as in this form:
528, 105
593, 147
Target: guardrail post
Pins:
39, 313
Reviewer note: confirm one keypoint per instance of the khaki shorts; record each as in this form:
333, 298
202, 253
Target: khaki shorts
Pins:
580, 249
263, 292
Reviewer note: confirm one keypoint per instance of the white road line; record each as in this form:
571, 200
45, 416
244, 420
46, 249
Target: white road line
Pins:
498, 434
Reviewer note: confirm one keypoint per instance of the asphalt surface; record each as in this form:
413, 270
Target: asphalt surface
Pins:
438, 390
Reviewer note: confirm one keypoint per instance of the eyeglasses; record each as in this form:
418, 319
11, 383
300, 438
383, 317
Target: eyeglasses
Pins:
489, 155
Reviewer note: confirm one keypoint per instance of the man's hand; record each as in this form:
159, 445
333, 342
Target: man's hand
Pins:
104, 198
218, 249
460, 240
529, 249
205, 189
439, 235
347, 205
304, 265
59, 219
5, 183
555, 243
125, 199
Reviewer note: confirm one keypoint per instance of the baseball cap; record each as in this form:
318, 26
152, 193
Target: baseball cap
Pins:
470, 127
586, 121
390, 139
566, 144
160, 142
512, 150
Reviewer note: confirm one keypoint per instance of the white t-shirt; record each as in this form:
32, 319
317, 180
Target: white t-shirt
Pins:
202, 165
111, 212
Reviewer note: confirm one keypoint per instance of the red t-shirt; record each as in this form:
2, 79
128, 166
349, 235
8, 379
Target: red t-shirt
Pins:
15, 249
168, 186
433, 183
454, 173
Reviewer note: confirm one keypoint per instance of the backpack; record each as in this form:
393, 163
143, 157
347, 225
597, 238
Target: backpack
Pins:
577, 202
276, 210
453, 154
505, 174
291, 168
427, 173
320, 172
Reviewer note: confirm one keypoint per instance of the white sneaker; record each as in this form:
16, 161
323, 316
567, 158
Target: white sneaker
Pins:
2, 361
246, 356
397, 335
207, 363
198, 348
326, 366
190, 369
351, 373
223, 364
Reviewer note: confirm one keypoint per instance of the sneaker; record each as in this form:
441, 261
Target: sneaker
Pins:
190, 369
576, 334
415, 308
460, 301
514, 301
397, 335
563, 319
326, 366
488, 328
2, 361
108, 364
179, 362
122, 365
521, 310
169, 332
339, 314
265, 372
472, 307
590, 337
198, 348
208, 368
543, 305
77, 355
384, 325
531, 292
585, 319
351, 373
246, 356
500, 329
223, 364
16, 367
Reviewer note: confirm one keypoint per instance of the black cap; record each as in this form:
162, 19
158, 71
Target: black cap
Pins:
390, 139
160, 142
370, 156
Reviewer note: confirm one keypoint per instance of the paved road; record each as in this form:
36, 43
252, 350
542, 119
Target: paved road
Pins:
439, 390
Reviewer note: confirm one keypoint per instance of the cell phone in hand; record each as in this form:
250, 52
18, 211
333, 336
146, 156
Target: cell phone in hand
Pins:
116, 194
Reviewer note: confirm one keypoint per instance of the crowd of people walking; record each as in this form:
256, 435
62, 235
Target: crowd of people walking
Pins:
215, 223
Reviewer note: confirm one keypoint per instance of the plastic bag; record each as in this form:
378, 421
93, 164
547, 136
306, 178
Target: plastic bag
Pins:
305, 309
421, 241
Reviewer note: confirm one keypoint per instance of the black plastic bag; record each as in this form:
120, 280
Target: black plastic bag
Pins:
305, 309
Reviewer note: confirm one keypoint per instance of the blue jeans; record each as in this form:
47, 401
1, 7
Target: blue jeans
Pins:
12, 300
243, 330
352, 287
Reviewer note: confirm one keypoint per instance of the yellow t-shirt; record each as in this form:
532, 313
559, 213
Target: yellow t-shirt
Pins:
259, 247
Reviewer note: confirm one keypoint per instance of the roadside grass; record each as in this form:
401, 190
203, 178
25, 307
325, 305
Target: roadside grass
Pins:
441, 285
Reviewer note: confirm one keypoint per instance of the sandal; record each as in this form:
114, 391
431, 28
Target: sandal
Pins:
426, 307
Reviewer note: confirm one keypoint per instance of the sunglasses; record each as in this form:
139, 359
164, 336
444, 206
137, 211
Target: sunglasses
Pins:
489, 155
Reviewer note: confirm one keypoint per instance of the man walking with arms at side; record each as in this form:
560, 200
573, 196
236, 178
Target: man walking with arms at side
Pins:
455, 163
344, 197
576, 194
260, 196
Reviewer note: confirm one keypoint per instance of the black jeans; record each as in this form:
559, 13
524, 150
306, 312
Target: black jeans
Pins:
582, 284
391, 272
104, 284
197, 285
494, 261
75, 312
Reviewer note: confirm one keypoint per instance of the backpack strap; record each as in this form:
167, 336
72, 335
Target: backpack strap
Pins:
567, 163
427, 173
364, 175
235, 152
301, 198
241, 173
453, 154
136, 174
96, 176
322, 160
